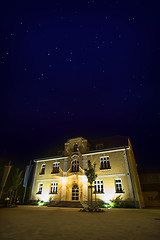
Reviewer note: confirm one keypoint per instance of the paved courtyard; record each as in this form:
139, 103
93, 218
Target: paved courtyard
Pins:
35, 223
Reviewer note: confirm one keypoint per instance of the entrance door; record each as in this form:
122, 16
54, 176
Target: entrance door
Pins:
75, 192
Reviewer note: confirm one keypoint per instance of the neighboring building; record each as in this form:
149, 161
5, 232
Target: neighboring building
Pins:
150, 183
62, 178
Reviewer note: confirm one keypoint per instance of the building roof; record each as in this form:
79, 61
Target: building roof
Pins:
94, 145
108, 142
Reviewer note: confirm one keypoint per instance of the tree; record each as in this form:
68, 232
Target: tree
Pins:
16, 182
91, 175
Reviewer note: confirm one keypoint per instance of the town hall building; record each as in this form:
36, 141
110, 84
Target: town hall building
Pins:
61, 177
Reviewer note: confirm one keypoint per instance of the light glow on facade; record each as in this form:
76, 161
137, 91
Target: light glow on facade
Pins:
72, 184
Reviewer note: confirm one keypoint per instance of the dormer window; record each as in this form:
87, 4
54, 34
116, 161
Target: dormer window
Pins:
75, 148
43, 169
59, 152
75, 166
99, 146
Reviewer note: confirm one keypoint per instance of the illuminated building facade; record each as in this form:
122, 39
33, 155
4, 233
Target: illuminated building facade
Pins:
62, 177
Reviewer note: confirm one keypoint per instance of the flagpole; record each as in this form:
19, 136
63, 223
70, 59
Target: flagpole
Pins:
4, 183
25, 188
24, 194
1, 192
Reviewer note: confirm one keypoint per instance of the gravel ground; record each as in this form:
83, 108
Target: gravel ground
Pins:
36, 223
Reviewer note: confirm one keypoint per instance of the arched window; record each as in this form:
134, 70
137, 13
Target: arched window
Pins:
75, 149
75, 166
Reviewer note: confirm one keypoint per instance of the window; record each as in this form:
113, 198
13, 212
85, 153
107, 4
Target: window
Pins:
150, 198
118, 183
75, 148
75, 166
42, 169
54, 187
55, 168
105, 164
99, 146
59, 152
40, 188
75, 192
98, 186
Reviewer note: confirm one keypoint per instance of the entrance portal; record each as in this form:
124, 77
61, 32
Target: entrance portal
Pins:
75, 192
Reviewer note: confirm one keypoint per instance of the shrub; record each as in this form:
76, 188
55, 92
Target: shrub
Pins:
91, 209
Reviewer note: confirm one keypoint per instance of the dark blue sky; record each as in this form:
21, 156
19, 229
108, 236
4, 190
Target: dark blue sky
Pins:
79, 68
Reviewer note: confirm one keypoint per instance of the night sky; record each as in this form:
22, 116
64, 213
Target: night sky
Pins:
79, 68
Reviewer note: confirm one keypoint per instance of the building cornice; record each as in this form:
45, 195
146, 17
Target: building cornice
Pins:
106, 150
49, 158
117, 149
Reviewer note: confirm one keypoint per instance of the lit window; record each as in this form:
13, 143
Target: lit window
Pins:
75, 192
105, 164
75, 166
55, 168
118, 183
75, 149
42, 169
40, 188
98, 186
54, 187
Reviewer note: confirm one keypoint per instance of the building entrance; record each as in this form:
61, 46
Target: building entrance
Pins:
75, 192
